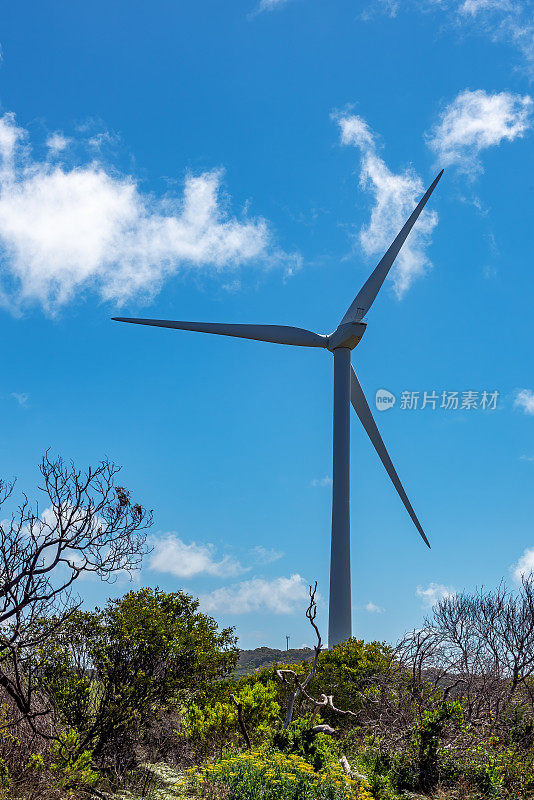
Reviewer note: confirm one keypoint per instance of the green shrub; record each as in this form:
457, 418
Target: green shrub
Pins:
297, 739
260, 713
493, 768
71, 764
429, 734
148, 651
349, 672
264, 775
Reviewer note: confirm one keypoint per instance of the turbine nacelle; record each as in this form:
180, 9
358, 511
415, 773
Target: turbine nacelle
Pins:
347, 335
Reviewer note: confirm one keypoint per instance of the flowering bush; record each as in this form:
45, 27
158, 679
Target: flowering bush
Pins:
275, 776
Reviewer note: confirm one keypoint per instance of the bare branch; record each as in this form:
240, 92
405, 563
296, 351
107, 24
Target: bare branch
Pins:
241, 721
88, 525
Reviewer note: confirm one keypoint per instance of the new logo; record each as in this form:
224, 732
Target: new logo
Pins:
384, 400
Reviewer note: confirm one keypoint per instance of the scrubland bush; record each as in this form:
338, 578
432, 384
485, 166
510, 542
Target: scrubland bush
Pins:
298, 739
219, 718
406, 724
86, 697
268, 775
149, 651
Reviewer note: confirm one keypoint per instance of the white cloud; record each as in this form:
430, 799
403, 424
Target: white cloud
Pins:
433, 593
42, 529
279, 595
474, 7
525, 565
395, 196
11, 138
172, 555
326, 481
64, 230
356, 131
264, 555
526, 458
56, 142
524, 399
21, 398
474, 121
372, 608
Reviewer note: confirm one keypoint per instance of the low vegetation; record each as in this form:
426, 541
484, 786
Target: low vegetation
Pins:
145, 697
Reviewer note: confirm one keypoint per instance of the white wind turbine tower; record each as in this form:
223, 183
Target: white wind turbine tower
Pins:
347, 390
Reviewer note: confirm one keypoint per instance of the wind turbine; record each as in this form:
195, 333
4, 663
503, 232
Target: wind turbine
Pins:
347, 390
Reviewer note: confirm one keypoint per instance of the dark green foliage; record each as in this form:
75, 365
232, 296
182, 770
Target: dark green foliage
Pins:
112, 670
350, 670
298, 739
429, 735
491, 768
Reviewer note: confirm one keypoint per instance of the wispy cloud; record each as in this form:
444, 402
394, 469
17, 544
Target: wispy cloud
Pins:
395, 196
279, 595
526, 458
270, 5
101, 139
173, 556
21, 398
372, 608
524, 566
56, 142
507, 21
524, 399
264, 555
326, 481
64, 230
474, 121
433, 593
390, 7
474, 7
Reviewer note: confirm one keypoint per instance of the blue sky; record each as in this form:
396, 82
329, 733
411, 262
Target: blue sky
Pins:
241, 162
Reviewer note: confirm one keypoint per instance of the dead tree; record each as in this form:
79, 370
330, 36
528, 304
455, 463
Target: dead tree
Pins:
290, 678
84, 524
283, 674
478, 647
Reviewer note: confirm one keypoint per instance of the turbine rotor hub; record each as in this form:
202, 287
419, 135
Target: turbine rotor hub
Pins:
347, 335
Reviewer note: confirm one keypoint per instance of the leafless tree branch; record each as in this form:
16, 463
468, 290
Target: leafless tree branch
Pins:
87, 525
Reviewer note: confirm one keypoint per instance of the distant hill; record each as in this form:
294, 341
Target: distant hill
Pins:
252, 660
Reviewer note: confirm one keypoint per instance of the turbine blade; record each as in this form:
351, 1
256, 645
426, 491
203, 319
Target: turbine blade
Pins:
367, 294
363, 411
279, 334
